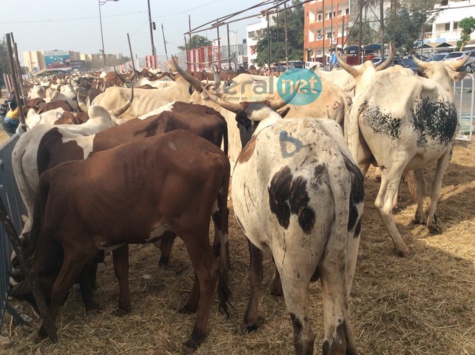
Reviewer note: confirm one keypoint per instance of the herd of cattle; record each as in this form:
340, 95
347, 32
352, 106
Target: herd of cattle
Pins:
114, 159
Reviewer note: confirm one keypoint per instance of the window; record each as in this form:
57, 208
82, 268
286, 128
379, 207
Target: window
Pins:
340, 12
311, 36
447, 26
319, 17
456, 25
319, 34
347, 11
311, 16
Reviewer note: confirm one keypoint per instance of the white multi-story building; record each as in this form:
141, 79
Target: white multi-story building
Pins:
254, 32
445, 26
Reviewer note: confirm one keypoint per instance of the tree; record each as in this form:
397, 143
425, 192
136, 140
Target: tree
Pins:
276, 37
468, 26
368, 34
196, 41
405, 28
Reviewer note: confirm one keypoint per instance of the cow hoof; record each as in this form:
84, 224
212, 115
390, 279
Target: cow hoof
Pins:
163, 262
402, 252
93, 312
417, 221
187, 310
40, 335
121, 312
434, 229
244, 327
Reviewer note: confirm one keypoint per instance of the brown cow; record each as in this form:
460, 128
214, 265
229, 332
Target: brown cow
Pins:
133, 194
54, 148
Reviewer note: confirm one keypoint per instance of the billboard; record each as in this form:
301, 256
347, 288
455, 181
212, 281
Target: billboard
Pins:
57, 60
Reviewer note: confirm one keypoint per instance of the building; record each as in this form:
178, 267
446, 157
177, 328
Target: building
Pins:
445, 26
34, 61
254, 32
326, 25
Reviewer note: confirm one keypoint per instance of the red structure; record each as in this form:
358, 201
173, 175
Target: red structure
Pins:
203, 58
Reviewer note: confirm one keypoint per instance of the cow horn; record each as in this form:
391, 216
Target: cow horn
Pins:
282, 101
123, 79
353, 71
388, 60
217, 79
124, 108
421, 64
193, 81
456, 65
228, 105
81, 104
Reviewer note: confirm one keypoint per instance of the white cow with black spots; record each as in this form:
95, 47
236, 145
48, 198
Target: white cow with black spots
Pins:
401, 123
298, 194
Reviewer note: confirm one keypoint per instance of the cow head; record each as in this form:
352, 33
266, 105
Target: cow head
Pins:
367, 67
251, 117
439, 70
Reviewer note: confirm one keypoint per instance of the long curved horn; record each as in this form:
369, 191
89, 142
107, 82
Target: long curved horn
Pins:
81, 104
217, 79
353, 71
125, 107
228, 105
122, 78
420, 63
388, 60
456, 65
193, 81
282, 101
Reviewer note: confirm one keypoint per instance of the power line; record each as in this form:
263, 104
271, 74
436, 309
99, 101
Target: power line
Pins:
69, 19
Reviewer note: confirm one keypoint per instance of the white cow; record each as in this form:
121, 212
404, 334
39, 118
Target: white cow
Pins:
403, 122
298, 194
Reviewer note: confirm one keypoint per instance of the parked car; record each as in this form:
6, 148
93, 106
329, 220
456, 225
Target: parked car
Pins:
454, 56
437, 57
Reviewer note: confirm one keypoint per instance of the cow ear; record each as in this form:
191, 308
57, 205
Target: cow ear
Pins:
242, 119
457, 75
22, 288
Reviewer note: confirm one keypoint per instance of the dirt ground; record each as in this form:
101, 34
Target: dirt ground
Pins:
422, 304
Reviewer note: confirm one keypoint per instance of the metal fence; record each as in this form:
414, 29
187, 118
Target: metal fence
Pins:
464, 102
12, 200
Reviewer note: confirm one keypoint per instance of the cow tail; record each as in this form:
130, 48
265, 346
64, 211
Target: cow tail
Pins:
411, 184
223, 286
38, 212
225, 138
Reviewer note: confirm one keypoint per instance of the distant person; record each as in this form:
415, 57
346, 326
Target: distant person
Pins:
12, 117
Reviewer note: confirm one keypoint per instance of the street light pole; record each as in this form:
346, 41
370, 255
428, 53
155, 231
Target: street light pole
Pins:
100, 3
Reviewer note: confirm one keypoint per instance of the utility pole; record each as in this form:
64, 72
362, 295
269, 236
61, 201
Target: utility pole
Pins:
286, 36
151, 27
360, 33
324, 58
165, 42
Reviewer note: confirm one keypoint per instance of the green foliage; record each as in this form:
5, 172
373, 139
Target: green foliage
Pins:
196, 41
3, 59
406, 28
468, 26
368, 34
276, 37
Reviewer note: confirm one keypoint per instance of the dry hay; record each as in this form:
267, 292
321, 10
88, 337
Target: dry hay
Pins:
423, 304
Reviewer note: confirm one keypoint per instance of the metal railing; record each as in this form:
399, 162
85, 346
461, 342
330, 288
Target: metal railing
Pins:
464, 102
12, 200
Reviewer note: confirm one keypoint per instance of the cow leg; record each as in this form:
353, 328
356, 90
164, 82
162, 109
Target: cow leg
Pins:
191, 305
276, 288
251, 319
442, 165
206, 268
384, 202
120, 257
73, 263
419, 179
296, 298
87, 279
338, 337
166, 244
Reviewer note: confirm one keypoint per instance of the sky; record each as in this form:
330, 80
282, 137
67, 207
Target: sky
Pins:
74, 24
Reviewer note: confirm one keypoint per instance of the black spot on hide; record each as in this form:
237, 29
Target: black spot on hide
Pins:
357, 192
297, 324
287, 196
382, 122
435, 120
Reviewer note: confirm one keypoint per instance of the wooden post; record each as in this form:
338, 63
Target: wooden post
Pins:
229, 48
219, 47
26, 268
286, 37
324, 58
131, 54
13, 72
165, 42
360, 33
151, 29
